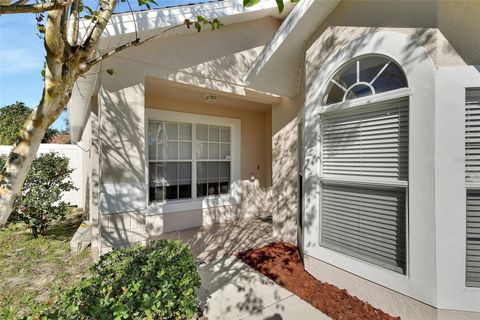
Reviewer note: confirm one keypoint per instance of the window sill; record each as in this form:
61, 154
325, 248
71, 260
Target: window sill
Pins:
192, 204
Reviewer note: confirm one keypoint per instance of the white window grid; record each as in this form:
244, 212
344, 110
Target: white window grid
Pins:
195, 158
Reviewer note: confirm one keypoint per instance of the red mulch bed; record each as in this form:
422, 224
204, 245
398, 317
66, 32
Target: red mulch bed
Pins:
281, 263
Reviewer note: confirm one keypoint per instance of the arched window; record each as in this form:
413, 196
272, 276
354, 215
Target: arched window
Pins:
364, 164
364, 76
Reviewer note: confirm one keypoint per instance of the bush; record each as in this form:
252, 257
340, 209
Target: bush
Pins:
156, 281
40, 201
12, 118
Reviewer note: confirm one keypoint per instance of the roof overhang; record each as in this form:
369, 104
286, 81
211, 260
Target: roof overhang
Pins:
159, 23
167, 22
278, 68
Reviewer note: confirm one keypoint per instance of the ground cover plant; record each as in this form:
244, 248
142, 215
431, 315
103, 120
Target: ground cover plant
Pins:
281, 262
156, 281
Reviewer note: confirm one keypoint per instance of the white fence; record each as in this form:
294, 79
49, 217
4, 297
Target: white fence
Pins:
75, 155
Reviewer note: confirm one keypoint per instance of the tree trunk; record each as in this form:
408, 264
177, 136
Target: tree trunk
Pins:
64, 64
24, 150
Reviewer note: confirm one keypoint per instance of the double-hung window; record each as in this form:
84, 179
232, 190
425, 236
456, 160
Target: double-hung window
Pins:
472, 182
364, 165
188, 160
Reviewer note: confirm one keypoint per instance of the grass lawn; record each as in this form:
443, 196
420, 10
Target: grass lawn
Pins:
31, 269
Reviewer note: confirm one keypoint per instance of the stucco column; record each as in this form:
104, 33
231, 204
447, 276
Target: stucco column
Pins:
122, 153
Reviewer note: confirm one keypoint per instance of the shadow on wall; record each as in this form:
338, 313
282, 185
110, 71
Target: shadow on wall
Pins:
224, 55
254, 201
285, 182
122, 163
338, 44
339, 41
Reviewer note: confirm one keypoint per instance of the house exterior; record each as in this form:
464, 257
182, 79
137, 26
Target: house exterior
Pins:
355, 123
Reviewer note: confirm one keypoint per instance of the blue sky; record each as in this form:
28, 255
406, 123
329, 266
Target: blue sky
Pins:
22, 55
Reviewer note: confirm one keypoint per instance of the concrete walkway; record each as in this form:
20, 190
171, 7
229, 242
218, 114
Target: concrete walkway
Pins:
231, 290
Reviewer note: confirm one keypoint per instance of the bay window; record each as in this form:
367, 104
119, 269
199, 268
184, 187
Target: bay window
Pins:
364, 164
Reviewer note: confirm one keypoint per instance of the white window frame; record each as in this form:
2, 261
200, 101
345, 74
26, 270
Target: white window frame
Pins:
354, 104
232, 198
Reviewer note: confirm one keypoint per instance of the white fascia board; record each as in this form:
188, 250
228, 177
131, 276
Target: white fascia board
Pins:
286, 49
121, 27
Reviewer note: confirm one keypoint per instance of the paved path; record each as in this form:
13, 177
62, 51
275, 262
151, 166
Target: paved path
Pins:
231, 290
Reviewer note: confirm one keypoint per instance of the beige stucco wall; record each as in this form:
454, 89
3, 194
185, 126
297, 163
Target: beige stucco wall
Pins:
459, 22
210, 59
122, 107
285, 165
446, 29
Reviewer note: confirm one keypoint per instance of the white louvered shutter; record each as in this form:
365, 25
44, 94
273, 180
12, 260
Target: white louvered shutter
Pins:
369, 143
472, 175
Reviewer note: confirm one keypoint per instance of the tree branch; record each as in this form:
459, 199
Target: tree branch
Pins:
106, 11
32, 8
20, 2
133, 43
73, 23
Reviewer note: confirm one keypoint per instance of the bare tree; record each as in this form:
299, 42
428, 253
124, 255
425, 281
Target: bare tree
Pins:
67, 58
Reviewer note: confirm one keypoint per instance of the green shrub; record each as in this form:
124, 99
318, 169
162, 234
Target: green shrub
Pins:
12, 118
40, 201
156, 281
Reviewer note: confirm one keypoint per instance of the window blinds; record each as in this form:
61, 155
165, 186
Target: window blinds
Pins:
372, 143
473, 238
366, 223
367, 143
472, 136
472, 175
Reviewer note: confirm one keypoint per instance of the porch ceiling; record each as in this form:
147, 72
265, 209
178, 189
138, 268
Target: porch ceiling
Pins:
165, 90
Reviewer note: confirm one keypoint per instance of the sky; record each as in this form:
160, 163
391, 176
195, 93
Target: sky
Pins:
22, 57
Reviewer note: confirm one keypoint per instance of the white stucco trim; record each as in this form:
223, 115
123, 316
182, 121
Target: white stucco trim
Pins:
199, 203
450, 187
359, 102
420, 280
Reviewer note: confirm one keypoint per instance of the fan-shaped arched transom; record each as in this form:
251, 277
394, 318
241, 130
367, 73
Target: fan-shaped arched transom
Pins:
364, 76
